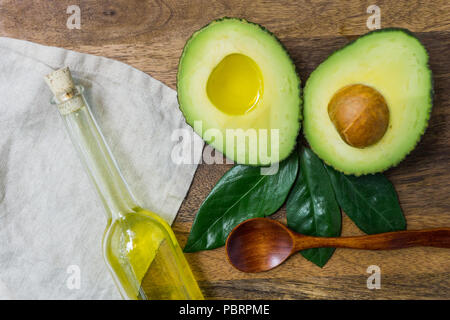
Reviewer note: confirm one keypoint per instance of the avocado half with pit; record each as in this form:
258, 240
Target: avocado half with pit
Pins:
239, 90
368, 104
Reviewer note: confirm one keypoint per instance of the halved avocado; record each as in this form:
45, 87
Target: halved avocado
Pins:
236, 83
368, 104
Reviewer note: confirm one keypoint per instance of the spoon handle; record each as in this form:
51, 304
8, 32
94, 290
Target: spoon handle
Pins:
439, 237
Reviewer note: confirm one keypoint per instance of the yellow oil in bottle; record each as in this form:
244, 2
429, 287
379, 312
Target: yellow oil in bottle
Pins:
145, 256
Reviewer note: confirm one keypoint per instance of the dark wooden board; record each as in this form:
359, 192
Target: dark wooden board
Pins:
150, 35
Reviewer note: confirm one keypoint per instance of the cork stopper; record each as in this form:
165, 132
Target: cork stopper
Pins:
61, 83
66, 94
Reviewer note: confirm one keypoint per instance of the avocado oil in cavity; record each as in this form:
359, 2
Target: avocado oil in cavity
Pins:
139, 247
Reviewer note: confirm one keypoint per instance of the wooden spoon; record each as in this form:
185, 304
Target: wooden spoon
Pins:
262, 244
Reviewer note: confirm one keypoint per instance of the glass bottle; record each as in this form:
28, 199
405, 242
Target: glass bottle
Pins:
139, 247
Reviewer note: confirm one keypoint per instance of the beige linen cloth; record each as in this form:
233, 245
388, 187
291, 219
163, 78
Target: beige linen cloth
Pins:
51, 219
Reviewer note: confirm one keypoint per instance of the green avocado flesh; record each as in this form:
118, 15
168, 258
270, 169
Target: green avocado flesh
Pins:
239, 90
394, 63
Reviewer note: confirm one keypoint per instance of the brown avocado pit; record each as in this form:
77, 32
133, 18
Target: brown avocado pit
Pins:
360, 115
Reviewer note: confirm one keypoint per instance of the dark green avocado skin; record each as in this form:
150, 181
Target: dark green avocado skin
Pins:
265, 30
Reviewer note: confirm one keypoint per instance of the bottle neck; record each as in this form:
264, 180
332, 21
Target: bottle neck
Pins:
97, 157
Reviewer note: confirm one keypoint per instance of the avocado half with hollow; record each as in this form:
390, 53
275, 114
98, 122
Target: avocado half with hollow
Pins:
368, 104
239, 90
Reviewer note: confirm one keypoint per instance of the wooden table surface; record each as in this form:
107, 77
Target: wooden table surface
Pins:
150, 35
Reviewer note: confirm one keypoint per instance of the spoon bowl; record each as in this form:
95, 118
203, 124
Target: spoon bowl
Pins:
263, 242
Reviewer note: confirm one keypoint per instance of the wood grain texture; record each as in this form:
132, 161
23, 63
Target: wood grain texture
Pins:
150, 35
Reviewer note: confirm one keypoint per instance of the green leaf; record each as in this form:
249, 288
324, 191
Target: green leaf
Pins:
242, 193
370, 201
312, 208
